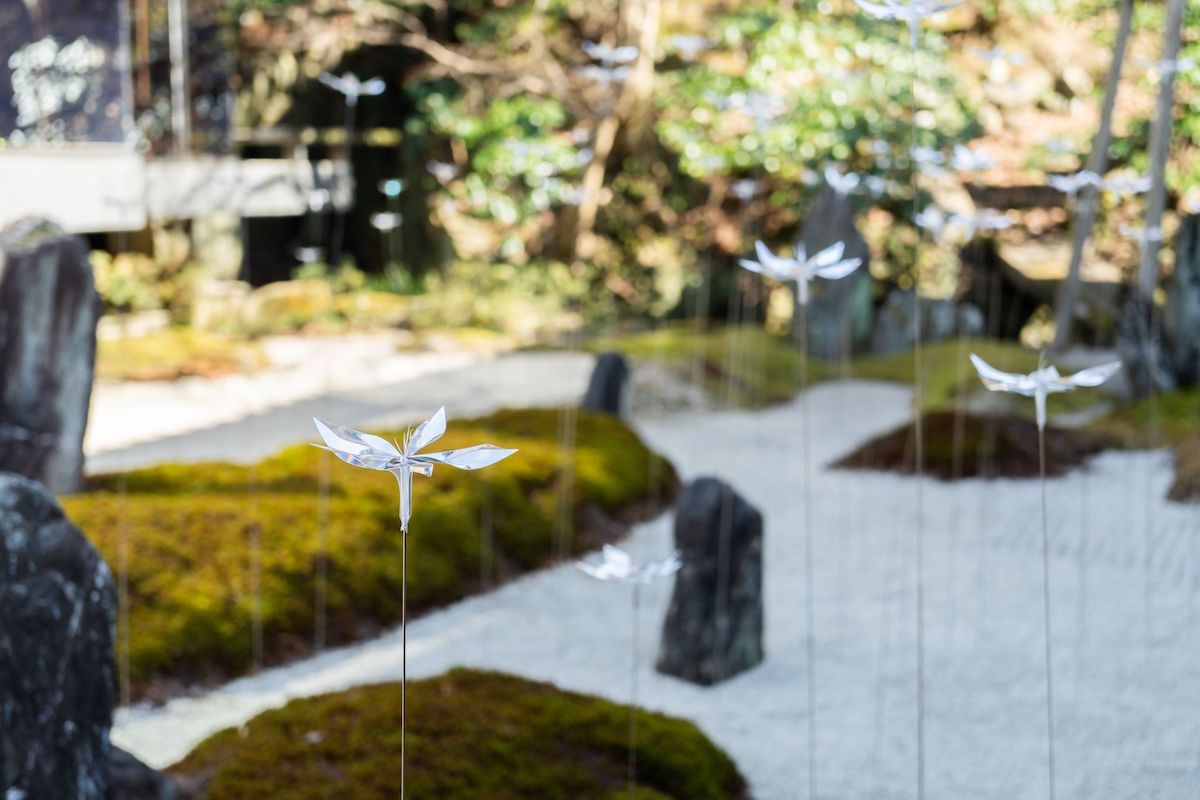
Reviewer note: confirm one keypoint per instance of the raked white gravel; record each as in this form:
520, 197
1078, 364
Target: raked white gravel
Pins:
1126, 610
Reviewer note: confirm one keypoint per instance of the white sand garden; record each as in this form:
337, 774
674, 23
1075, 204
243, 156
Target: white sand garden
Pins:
1125, 603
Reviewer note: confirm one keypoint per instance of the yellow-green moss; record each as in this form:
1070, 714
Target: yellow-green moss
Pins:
1171, 419
471, 735
173, 353
743, 365
190, 533
749, 366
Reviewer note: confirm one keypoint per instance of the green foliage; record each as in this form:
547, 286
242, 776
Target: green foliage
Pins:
522, 160
138, 282
839, 82
530, 302
191, 532
471, 734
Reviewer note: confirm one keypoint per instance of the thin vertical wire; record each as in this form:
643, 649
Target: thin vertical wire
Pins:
339, 216
810, 642
1046, 615
1154, 435
123, 633
403, 653
633, 704
256, 620
320, 616
919, 433
724, 544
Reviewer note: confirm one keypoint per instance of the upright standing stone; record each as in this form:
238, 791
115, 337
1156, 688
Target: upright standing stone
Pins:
1141, 341
840, 313
48, 314
1182, 313
714, 626
609, 388
57, 616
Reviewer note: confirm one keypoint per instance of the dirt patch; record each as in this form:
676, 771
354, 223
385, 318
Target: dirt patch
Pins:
978, 446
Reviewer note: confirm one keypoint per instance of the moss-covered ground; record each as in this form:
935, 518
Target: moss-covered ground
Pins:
471, 734
191, 534
747, 366
1171, 419
174, 353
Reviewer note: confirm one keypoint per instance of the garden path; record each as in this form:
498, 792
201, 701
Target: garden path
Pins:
1126, 610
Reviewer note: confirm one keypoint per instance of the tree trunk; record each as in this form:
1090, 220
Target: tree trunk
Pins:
1160, 144
1085, 215
633, 111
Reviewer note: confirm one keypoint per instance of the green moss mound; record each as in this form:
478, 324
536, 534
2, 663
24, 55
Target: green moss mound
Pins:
174, 353
193, 532
1171, 419
978, 446
471, 734
747, 366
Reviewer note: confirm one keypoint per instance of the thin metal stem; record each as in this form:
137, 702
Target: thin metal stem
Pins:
403, 653
339, 217
919, 445
810, 641
1046, 614
633, 682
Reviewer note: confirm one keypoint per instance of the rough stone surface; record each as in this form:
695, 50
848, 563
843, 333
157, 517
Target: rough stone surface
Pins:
840, 313
714, 625
1182, 312
48, 314
609, 388
133, 780
57, 616
940, 319
1142, 343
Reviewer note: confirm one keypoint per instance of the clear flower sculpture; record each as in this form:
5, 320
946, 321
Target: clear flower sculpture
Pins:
351, 87
1042, 382
618, 566
827, 263
1126, 185
908, 11
1071, 185
841, 182
374, 452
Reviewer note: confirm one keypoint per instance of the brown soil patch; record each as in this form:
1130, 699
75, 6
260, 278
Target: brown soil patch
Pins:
978, 446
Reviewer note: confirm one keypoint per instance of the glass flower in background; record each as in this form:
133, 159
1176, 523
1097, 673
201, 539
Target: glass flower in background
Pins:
1071, 185
964, 159
1127, 185
442, 171
351, 87
827, 263
689, 47
617, 565
910, 12
1143, 236
841, 182
1042, 382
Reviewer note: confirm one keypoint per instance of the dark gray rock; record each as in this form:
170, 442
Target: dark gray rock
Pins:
940, 319
840, 313
57, 616
133, 780
714, 625
609, 388
1182, 311
1142, 343
48, 314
